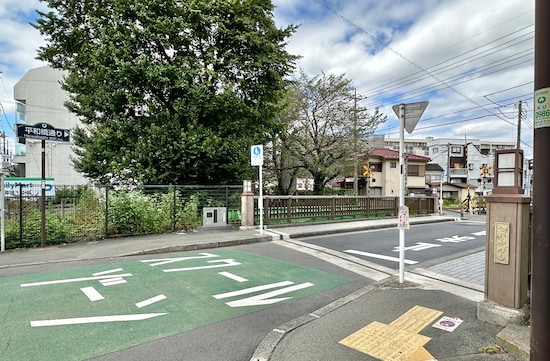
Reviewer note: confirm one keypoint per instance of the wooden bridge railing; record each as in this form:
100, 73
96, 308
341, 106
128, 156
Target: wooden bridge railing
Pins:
293, 209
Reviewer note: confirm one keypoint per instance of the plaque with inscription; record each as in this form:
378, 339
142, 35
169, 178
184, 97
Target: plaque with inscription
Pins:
502, 243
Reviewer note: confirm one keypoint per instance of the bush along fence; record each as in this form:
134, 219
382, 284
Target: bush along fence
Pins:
86, 213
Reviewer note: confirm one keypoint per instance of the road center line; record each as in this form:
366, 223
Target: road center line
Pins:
379, 256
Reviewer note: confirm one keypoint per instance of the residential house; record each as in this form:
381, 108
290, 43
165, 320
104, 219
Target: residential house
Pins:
379, 175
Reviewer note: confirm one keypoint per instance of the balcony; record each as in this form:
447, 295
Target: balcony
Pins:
458, 172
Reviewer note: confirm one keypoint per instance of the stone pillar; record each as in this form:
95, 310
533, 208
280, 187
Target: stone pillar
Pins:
507, 252
247, 206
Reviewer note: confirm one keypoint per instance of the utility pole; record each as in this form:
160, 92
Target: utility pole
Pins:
355, 150
540, 277
518, 142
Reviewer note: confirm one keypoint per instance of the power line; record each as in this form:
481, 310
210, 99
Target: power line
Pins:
431, 74
448, 64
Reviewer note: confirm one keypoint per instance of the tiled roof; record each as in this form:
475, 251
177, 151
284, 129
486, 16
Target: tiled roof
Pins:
433, 167
386, 153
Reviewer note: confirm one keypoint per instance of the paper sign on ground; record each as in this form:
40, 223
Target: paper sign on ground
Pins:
448, 323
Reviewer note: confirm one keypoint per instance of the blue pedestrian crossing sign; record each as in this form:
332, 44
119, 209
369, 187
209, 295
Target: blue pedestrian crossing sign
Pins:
257, 155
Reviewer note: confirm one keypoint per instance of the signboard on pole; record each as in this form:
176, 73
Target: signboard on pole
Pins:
408, 115
257, 159
403, 218
43, 131
257, 155
29, 187
413, 112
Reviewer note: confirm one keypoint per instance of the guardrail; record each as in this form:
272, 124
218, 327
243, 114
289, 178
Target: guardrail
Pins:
296, 209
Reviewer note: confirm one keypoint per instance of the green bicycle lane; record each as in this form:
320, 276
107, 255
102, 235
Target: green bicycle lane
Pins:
80, 313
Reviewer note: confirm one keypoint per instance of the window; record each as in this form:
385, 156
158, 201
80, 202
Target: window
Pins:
435, 150
376, 167
393, 164
456, 149
416, 170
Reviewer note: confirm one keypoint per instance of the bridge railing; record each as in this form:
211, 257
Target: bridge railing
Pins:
296, 209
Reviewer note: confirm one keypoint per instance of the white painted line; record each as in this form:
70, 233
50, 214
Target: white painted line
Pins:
70, 280
113, 281
150, 301
92, 294
419, 246
232, 276
107, 272
265, 298
96, 319
379, 256
224, 263
252, 290
163, 261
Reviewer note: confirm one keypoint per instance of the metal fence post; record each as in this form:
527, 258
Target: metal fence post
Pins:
20, 214
106, 212
174, 214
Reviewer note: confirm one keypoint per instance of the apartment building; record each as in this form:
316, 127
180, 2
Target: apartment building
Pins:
465, 161
40, 99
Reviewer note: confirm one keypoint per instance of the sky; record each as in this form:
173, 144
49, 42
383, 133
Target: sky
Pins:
472, 60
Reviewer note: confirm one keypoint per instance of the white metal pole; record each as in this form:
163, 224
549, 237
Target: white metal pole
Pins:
2, 215
401, 190
261, 201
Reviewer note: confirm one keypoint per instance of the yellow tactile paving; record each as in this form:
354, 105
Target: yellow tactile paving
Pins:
385, 342
416, 319
398, 341
421, 355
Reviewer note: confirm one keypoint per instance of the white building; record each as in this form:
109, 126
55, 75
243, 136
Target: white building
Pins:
466, 161
40, 99
411, 145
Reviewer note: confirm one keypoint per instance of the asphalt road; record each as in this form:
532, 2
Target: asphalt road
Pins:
423, 243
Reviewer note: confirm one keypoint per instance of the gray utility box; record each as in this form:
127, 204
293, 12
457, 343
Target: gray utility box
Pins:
214, 216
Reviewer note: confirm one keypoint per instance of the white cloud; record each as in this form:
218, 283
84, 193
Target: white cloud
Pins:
461, 56
451, 53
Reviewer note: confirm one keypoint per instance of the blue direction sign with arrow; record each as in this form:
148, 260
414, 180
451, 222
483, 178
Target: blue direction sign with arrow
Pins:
43, 131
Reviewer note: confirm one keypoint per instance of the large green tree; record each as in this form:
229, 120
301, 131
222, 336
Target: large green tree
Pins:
171, 91
323, 129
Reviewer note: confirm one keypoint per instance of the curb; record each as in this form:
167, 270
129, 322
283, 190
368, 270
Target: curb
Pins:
304, 234
269, 343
